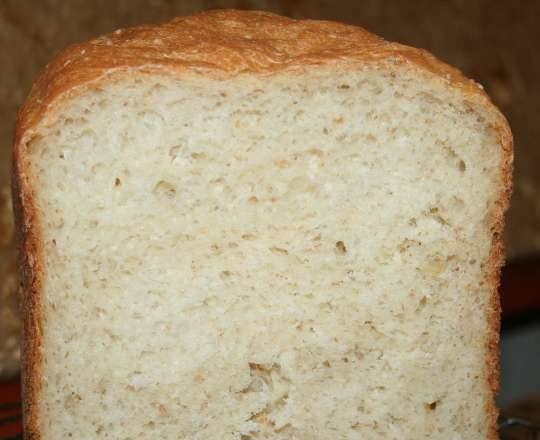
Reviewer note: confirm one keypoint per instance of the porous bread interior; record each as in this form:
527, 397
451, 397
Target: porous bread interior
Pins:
266, 257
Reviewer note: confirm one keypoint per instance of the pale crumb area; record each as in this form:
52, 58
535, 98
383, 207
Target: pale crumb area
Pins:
281, 257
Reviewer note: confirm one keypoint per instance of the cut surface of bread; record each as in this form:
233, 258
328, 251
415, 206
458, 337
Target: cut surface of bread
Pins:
306, 252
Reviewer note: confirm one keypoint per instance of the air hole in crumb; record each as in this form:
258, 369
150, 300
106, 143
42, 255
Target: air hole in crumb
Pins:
340, 247
248, 236
435, 215
432, 406
344, 86
325, 130
472, 262
173, 152
165, 188
412, 222
406, 244
316, 152
61, 155
253, 200
225, 274
326, 364
462, 166
198, 156
117, 182
277, 250
255, 366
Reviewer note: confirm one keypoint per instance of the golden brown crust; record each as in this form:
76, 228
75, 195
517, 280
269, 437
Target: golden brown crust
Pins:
223, 44
30, 276
495, 262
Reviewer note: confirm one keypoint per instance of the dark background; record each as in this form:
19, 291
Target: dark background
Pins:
493, 41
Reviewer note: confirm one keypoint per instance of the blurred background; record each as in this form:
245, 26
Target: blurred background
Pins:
493, 41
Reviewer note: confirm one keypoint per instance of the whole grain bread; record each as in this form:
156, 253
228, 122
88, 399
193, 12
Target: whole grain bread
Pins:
237, 225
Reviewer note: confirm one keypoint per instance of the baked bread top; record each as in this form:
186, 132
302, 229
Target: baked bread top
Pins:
225, 43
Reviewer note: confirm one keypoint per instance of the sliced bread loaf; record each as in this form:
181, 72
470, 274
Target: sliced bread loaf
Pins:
239, 226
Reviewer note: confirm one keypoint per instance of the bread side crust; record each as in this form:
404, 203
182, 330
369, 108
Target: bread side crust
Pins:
495, 262
30, 256
221, 44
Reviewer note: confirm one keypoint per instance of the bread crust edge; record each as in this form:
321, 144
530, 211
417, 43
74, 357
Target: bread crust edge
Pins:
30, 267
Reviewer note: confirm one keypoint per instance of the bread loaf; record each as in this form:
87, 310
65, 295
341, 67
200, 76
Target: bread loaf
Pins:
240, 226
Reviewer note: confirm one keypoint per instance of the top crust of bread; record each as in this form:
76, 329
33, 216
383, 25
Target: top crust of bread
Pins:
220, 44
225, 43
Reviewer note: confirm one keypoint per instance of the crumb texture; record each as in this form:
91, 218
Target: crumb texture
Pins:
281, 257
